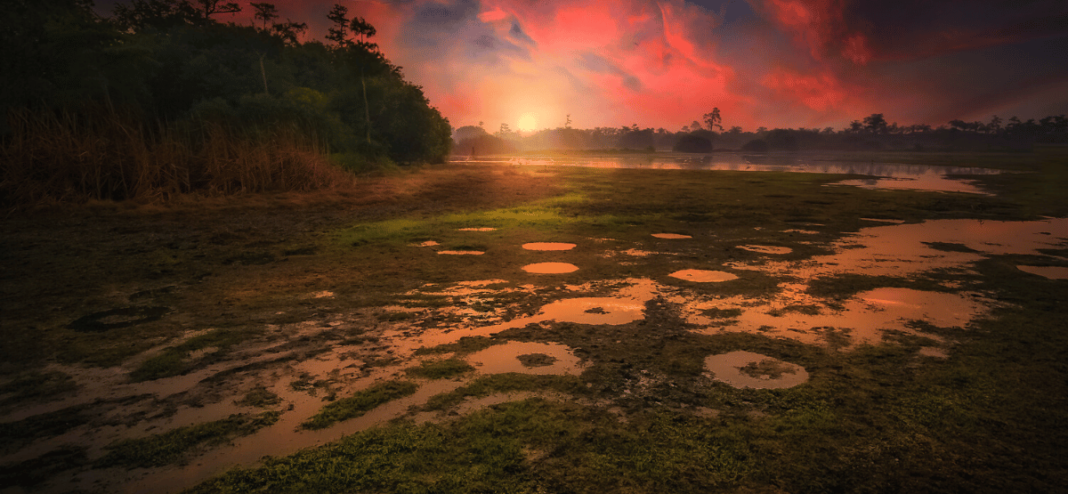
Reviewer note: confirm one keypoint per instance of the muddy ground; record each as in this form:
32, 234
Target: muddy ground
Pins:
153, 347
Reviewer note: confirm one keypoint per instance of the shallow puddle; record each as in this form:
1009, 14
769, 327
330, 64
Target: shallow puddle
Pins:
478, 229
428, 243
929, 181
639, 253
703, 276
671, 236
1051, 272
803, 232
766, 249
626, 305
550, 268
548, 246
526, 358
460, 252
741, 369
862, 319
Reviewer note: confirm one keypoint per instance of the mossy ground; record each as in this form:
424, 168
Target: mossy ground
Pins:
642, 416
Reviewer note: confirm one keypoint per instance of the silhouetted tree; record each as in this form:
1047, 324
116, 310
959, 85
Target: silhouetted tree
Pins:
995, 124
264, 12
875, 123
290, 31
713, 119
339, 32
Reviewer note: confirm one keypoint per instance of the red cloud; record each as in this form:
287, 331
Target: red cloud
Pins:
821, 26
819, 92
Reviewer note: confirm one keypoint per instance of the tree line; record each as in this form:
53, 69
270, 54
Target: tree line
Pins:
873, 132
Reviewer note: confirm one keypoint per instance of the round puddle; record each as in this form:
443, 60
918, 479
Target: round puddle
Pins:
594, 310
1051, 272
703, 276
460, 252
550, 268
479, 229
526, 358
671, 236
766, 249
742, 369
548, 246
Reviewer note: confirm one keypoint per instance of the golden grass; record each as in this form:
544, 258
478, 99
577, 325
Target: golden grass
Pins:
57, 158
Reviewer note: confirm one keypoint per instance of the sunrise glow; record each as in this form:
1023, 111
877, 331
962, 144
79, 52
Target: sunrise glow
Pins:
527, 123
773, 63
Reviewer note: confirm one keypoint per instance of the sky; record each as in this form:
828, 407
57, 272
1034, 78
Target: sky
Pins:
772, 63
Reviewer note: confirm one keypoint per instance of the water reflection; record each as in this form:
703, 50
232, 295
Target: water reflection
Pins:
742, 369
891, 175
526, 358
703, 276
548, 246
730, 161
671, 236
1051, 272
550, 268
766, 249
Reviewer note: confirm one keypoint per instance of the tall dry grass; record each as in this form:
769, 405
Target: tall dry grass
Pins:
105, 155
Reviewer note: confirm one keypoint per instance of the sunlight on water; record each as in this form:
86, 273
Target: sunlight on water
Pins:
742, 369
550, 268
888, 175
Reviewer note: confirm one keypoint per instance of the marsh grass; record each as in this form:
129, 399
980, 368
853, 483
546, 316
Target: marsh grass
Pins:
506, 383
644, 416
440, 369
174, 446
35, 471
359, 403
36, 385
259, 397
175, 360
106, 155
466, 345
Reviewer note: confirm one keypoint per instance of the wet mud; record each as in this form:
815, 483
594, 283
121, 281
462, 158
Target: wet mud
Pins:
330, 340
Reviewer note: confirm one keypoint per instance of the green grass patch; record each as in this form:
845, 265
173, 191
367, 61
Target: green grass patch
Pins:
259, 397
360, 403
466, 345
37, 385
505, 383
34, 471
440, 369
175, 446
175, 360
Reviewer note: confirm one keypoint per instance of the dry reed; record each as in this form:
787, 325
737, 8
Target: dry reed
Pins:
66, 157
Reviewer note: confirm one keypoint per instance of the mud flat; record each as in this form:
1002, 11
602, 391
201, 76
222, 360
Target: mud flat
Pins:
339, 340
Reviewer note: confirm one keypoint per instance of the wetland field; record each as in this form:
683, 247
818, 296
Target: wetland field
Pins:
885, 322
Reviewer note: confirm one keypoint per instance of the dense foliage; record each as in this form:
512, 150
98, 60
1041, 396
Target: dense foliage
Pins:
174, 63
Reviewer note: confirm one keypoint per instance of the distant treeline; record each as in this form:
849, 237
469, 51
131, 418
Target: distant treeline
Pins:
172, 71
871, 133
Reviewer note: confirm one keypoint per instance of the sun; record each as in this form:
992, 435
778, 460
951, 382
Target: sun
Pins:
527, 123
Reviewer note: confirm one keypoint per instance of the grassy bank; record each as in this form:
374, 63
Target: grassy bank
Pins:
642, 416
